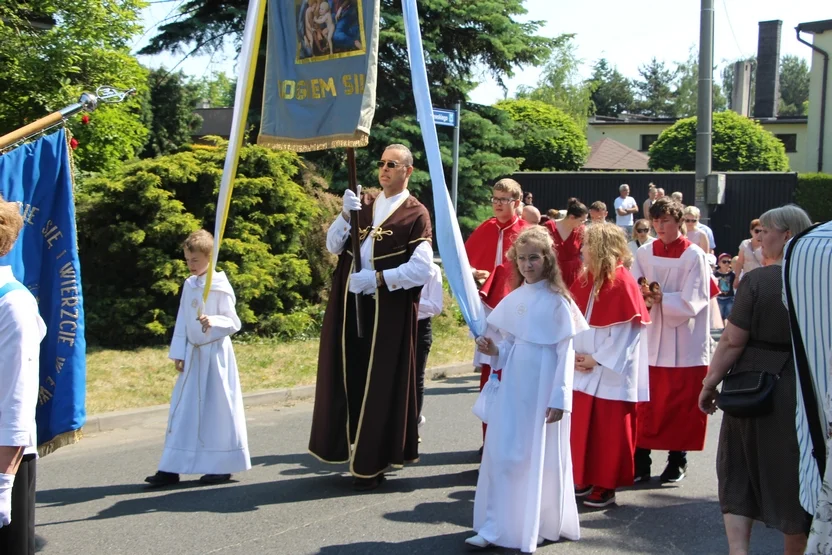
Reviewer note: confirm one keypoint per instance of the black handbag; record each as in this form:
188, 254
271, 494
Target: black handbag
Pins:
750, 394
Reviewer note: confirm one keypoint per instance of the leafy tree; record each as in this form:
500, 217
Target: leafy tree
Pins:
216, 91
552, 139
131, 225
739, 144
686, 93
87, 47
560, 84
655, 90
612, 93
172, 103
794, 86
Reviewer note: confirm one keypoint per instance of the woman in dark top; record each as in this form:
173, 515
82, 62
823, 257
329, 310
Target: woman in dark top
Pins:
758, 457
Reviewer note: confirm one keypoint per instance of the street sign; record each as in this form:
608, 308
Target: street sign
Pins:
444, 117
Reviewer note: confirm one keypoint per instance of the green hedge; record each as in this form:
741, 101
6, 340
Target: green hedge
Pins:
814, 194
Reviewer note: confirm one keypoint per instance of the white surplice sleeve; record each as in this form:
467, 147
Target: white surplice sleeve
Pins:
19, 348
561, 396
337, 235
695, 295
430, 303
617, 350
505, 346
413, 273
226, 322
179, 342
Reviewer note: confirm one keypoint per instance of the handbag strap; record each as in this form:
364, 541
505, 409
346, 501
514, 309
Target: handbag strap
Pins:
810, 402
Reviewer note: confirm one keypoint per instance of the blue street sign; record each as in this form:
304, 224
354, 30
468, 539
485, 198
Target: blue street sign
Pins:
445, 117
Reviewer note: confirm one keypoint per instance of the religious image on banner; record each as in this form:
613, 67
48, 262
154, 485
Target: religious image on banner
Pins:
38, 176
329, 29
321, 69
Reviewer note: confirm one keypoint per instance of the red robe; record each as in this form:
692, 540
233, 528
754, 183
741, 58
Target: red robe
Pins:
568, 251
671, 420
603, 436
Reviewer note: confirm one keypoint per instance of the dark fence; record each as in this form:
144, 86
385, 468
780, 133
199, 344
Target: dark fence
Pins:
747, 195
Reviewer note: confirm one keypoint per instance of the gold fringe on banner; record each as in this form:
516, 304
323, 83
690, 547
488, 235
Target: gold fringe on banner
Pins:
358, 140
62, 440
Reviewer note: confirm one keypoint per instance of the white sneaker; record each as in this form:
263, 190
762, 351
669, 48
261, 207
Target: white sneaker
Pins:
421, 421
478, 541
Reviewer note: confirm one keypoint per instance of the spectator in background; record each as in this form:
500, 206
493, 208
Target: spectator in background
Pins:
625, 206
641, 236
696, 236
659, 194
597, 212
528, 199
750, 256
725, 280
677, 196
568, 234
531, 214
651, 198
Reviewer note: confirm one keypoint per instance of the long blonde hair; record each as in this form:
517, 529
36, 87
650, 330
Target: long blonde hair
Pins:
538, 238
606, 248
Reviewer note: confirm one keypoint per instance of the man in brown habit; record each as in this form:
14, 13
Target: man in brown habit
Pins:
365, 398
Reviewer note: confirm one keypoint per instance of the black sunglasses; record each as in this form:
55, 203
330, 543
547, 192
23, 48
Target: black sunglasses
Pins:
391, 164
642, 230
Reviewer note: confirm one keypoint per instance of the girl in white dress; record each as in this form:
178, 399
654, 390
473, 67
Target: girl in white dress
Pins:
528, 448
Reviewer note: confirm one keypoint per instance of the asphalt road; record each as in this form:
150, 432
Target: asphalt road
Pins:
91, 498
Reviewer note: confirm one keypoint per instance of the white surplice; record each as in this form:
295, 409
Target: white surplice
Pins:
206, 431
525, 486
621, 353
679, 336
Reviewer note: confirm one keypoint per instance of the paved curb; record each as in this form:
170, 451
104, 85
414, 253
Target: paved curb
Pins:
137, 417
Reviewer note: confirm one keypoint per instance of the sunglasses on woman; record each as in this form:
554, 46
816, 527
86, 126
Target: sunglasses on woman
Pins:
642, 230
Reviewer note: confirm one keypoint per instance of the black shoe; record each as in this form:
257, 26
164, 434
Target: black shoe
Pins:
673, 472
367, 484
163, 478
641, 476
215, 478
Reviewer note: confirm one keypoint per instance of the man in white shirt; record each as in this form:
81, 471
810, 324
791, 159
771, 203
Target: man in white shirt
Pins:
625, 206
21, 331
365, 409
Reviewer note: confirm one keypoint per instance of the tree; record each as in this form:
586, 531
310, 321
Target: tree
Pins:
655, 92
137, 218
216, 91
686, 93
794, 86
612, 93
739, 144
560, 84
552, 140
173, 121
43, 70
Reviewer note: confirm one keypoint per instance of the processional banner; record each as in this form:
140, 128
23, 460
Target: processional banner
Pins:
38, 176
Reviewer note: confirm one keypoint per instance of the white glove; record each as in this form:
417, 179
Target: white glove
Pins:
363, 282
6, 483
352, 201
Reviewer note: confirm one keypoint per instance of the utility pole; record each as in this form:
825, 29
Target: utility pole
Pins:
704, 106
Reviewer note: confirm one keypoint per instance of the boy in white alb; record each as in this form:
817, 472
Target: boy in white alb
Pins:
206, 431
625, 206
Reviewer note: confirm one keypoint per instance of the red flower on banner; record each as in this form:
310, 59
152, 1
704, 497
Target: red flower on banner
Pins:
85, 119
73, 143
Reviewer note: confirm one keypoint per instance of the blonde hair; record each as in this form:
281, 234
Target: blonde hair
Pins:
635, 225
538, 237
606, 246
508, 185
200, 241
692, 210
11, 222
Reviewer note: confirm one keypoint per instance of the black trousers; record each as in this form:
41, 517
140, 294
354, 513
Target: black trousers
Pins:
424, 340
18, 538
643, 461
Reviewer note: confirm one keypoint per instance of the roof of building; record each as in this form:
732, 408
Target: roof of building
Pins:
816, 27
608, 154
627, 119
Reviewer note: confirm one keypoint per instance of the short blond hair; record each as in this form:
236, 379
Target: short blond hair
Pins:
692, 211
199, 241
508, 185
11, 222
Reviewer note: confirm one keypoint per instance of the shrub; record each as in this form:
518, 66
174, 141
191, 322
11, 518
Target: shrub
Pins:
132, 223
553, 141
739, 144
814, 194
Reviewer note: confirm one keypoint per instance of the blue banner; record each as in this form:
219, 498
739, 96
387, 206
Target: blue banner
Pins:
320, 88
38, 175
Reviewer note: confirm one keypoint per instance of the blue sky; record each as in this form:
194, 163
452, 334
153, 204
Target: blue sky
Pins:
628, 35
